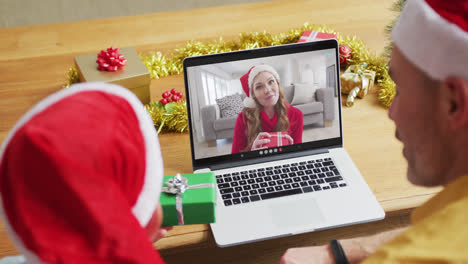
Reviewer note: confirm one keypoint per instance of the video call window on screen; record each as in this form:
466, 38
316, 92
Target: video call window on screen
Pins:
301, 89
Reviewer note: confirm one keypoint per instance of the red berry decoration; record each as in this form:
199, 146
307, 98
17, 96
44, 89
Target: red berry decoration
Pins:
345, 54
171, 96
110, 60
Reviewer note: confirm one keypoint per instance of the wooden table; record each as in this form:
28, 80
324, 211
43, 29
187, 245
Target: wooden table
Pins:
35, 59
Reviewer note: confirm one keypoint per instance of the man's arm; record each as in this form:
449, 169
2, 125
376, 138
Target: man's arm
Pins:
356, 249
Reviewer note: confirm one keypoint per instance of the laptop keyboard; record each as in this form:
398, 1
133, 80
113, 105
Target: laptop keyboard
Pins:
278, 181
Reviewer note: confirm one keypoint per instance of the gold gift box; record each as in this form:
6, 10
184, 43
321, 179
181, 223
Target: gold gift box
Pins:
133, 76
356, 81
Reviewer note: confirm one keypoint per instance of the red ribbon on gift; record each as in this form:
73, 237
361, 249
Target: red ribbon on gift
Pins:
110, 60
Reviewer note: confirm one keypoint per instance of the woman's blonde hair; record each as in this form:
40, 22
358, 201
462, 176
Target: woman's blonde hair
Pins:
254, 124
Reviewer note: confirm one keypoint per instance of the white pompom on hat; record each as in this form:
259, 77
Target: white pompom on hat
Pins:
247, 81
433, 35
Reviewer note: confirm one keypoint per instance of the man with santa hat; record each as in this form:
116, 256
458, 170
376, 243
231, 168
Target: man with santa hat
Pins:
80, 178
429, 66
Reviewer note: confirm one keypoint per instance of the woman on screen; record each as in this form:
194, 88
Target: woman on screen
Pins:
265, 111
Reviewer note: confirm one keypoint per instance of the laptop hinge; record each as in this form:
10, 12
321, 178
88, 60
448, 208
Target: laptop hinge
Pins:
268, 159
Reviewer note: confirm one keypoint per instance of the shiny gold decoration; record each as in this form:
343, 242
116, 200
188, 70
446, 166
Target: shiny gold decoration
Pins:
72, 76
357, 80
161, 65
171, 117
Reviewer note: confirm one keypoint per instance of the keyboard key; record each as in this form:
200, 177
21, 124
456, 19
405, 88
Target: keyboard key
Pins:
253, 192
287, 186
267, 178
285, 170
236, 195
236, 201
253, 175
284, 176
259, 180
343, 185
235, 173
327, 159
270, 189
305, 178
300, 173
219, 181
226, 191
238, 189
295, 185
247, 188
320, 181
337, 173
261, 174
261, 190
277, 167
326, 187
293, 164
310, 166
269, 168
292, 174
278, 188
302, 162
234, 184
303, 184
228, 179
302, 167
245, 193
297, 179
250, 181
288, 180
317, 188
263, 184
243, 172
285, 165
308, 172
255, 198
324, 169
276, 177
243, 182
261, 169
327, 163
311, 161
334, 186
280, 182
255, 186
322, 175
307, 189
269, 173
312, 182
272, 183
226, 196
252, 171
316, 170
280, 194
245, 199
227, 202
219, 176
277, 171
227, 175
318, 165
319, 160
244, 177
294, 169
329, 174
313, 177
236, 178
333, 179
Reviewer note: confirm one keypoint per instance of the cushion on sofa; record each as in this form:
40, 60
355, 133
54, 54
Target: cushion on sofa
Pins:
230, 106
288, 92
311, 108
303, 94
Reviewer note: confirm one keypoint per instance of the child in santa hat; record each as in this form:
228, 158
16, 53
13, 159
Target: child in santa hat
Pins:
265, 110
80, 178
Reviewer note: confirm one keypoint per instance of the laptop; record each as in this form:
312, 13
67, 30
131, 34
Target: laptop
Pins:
285, 189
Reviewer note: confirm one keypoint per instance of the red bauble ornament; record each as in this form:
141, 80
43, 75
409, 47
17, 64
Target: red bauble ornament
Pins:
345, 54
163, 101
110, 60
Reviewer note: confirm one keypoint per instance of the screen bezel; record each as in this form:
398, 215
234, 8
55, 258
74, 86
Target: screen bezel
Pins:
252, 54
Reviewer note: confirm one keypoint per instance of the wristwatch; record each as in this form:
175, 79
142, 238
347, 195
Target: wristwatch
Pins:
338, 252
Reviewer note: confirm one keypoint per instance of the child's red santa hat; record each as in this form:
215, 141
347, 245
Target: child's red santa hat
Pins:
80, 177
247, 82
433, 35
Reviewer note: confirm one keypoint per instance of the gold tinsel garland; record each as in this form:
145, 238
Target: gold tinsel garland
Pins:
173, 117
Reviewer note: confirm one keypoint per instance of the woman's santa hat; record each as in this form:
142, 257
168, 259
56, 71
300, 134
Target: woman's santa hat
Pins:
80, 177
433, 35
247, 82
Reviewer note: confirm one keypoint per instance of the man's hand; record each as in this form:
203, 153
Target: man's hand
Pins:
306, 255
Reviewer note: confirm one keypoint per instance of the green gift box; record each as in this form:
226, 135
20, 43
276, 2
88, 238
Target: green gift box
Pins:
195, 195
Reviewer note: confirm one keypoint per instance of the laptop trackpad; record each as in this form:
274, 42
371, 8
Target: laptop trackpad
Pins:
302, 212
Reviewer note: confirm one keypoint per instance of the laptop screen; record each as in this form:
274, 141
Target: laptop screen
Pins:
263, 102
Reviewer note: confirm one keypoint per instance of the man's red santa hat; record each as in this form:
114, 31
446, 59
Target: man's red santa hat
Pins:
247, 82
80, 177
433, 35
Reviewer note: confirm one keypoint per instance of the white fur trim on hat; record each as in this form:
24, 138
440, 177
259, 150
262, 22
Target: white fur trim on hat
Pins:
434, 45
249, 102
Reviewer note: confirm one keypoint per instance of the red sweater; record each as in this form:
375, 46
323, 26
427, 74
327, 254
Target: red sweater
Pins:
239, 140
